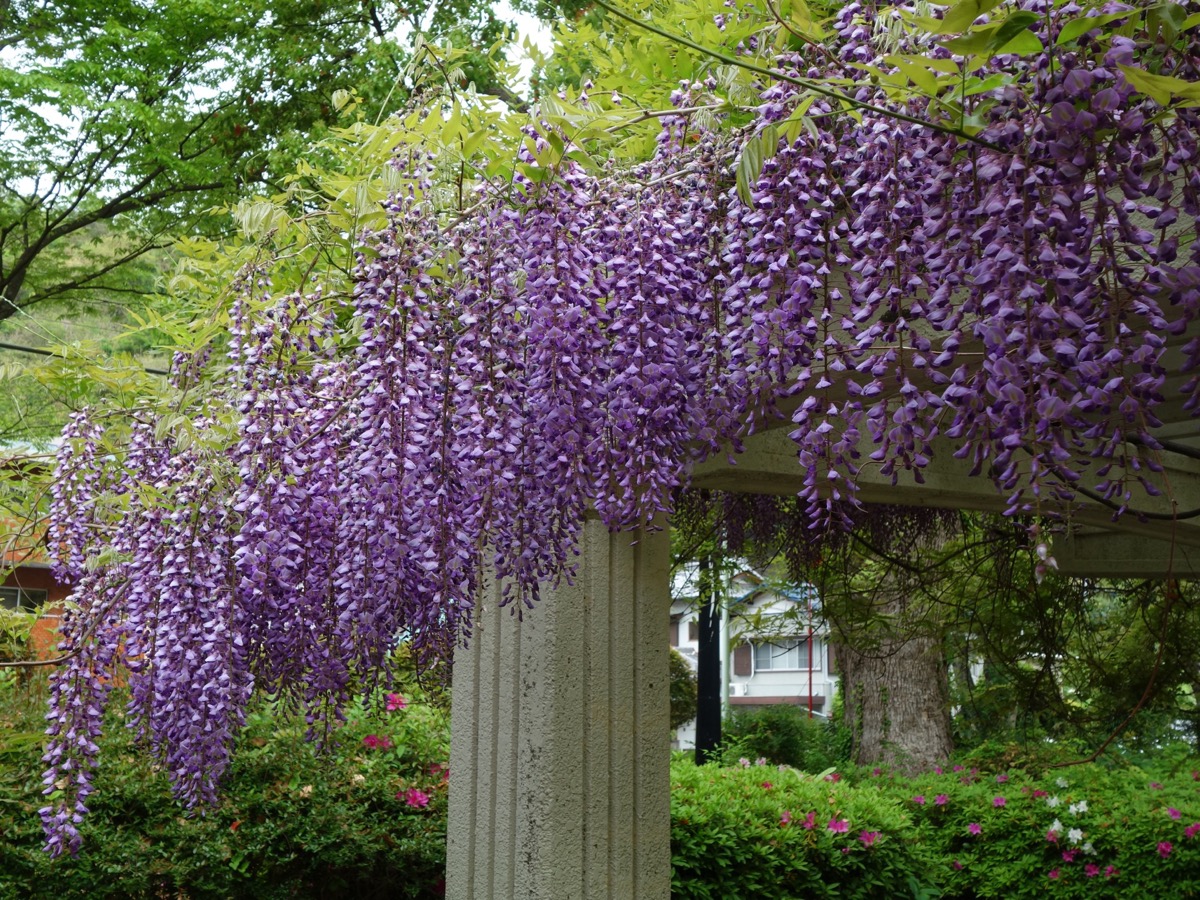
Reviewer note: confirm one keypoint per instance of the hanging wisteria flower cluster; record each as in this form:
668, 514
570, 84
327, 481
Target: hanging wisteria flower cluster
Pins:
574, 342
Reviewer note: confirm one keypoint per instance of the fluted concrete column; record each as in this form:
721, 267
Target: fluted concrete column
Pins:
560, 736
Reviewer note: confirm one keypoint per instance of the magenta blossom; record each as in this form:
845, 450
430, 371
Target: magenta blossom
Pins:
839, 826
810, 821
919, 799
377, 742
975, 828
1173, 812
956, 866
1054, 874
999, 801
868, 838
395, 702
1069, 855
414, 798
1111, 872
785, 818
1192, 830
1164, 849
1091, 870
941, 800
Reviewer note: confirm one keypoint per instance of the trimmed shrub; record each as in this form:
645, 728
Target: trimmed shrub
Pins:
785, 735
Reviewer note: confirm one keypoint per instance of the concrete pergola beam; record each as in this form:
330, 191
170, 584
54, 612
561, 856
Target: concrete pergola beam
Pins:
769, 465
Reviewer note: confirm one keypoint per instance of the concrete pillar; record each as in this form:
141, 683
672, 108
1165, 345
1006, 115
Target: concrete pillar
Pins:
560, 736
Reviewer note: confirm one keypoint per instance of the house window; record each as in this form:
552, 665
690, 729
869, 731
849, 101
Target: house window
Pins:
786, 655
21, 598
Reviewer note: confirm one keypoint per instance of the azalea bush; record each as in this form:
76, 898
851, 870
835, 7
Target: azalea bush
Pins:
771, 831
366, 818
1090, 830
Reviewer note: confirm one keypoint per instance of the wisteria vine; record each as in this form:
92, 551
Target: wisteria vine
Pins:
576, 342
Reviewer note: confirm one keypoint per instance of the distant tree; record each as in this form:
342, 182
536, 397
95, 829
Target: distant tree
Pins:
122, 122
683, 691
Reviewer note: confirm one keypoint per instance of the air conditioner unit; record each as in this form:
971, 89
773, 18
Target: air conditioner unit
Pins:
739, 689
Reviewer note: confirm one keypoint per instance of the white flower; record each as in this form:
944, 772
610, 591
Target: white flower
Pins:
1075, 835
1088, 848
1062, 783
1056, 827
1077, 808
1052, 802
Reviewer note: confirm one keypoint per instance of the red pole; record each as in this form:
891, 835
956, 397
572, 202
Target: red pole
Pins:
810, 659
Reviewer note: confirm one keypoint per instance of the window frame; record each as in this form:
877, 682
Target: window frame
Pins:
816, 659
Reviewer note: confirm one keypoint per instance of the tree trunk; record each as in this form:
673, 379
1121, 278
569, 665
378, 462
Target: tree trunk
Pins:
896, 695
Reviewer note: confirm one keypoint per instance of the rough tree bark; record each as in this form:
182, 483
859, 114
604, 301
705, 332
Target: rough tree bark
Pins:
897, 702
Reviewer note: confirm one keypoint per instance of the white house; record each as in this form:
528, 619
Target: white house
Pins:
775, 646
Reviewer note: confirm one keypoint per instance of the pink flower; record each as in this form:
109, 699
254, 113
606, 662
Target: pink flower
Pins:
1111, 872
958, 768
377, 742
1053, 874
998, 802
395, 702
1000, 779
1164, 849
839, 826
785, 818
975, 828
868, 838
1052, 836
956, 866
767, 785
1173, 812
1069, 856
919, 800
436, 769
833, 776
810, 821
415, 798
1091, 870
941, 800
1192, 830
1039, 793
1155, 786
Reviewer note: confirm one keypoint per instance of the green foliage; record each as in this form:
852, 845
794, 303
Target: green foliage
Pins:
124, 127
292, 823
741, 833
1081, 831
683, 691
785, 735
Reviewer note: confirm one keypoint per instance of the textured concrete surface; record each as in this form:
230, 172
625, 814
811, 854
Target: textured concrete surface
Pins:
559, 752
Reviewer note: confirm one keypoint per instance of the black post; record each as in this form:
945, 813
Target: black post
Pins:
708, 666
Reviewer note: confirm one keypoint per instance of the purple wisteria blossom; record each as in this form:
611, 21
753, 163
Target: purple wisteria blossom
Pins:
364, 466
